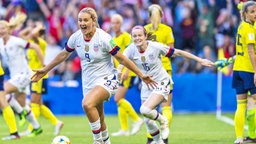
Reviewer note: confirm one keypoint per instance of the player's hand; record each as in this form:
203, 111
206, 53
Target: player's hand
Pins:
149, 81
40, 73
206, 62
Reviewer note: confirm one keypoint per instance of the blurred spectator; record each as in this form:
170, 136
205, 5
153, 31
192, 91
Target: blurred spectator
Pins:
209, 54
188, 29
205, 27
185, 65
54, 18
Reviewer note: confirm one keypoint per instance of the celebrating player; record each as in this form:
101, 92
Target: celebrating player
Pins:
99, 77
12, 51
147, 56
35, 35
162, 33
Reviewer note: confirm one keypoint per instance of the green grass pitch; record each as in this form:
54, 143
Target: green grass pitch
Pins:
185, 129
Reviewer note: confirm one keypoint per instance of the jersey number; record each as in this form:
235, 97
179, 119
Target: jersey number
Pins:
145, 66
87, 56
238, 40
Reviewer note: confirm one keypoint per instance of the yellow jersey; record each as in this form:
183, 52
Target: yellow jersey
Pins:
33, 60
123, 40
163, 35
1, 69
245, 35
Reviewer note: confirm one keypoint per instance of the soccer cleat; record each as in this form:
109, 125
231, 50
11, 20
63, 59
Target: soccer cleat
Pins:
58, 127
121, 133
25, 133
35, 132
98, 142
238, 141
249, 140
165, 141
11, 137
107, 141
22, 117
149, 141
158, 142
136, 126
164, 128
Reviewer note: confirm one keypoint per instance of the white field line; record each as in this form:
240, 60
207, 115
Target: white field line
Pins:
229, 121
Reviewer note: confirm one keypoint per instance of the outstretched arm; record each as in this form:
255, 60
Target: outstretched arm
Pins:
204, 62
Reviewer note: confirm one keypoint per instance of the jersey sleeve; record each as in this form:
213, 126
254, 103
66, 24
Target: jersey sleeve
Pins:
70, 45
22, 43
110, 44
165, 50
250, 36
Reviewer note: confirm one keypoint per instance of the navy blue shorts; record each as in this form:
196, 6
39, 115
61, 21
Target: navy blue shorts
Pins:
1, 82
243, 82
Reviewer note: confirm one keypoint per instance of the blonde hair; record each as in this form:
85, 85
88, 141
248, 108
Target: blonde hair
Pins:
93, 14
245, 6
155, 13
118, 17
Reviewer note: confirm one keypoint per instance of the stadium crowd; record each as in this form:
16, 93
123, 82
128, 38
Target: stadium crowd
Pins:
204, 27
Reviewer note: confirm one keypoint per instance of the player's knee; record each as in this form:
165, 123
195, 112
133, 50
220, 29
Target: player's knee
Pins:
87, 105
144, 110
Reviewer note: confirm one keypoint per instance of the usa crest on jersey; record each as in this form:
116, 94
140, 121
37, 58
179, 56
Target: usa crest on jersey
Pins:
86, 48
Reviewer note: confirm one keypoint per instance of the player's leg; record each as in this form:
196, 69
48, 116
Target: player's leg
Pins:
91, 100
21, 98
250, 115
8, 114
122, 114
153, 129
148, 110
240, 84
104, 129
38, 89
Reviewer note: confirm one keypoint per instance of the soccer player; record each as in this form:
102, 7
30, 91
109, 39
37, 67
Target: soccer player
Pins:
38, 88
125, 109
99, 77
147, 56
162, 33
244, 76
12, 51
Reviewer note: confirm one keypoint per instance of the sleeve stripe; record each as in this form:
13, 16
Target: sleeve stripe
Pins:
27, 45
114, 50
68, 48
170, 52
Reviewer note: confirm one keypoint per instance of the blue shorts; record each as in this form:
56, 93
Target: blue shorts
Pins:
1, 82
243, 82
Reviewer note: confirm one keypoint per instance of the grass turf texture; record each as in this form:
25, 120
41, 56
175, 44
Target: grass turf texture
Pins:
185, 129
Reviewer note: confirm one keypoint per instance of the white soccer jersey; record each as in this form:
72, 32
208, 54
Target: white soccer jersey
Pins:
13, 52
149, 62
96, 61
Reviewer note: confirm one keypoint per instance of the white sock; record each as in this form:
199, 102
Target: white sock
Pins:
96, 130
31, 118
152, 129
105, 136
152, 114
14, 103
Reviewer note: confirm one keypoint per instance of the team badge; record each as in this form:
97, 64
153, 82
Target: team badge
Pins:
162, 83
86, 48
143, 58
96, 47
